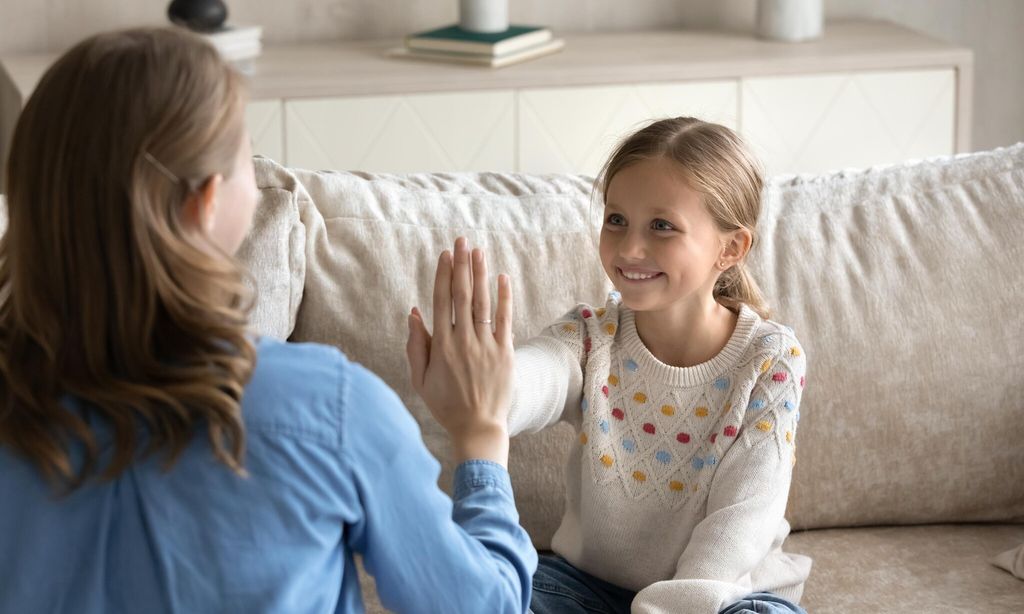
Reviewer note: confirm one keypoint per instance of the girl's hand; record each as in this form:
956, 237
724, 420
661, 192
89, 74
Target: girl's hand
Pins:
464, 372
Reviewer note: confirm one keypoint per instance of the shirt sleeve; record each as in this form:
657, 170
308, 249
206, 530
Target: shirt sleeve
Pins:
426, 552
549, 374
747, 498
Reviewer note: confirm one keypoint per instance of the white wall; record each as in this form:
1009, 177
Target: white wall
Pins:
994, 29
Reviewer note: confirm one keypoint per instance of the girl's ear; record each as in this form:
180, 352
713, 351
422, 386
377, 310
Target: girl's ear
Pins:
200, 207
735, 246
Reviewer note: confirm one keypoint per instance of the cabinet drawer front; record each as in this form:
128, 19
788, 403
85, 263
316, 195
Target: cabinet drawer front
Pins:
454, 131
265, 128
816, 123
574, 129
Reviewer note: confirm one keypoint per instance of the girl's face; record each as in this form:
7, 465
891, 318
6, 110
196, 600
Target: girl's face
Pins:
235, 202
659, 245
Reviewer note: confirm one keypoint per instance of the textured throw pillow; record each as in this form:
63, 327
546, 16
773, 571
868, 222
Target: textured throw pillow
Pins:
905, 285
372, 243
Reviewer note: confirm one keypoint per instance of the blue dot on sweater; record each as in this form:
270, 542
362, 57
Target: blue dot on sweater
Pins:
711, 460
698, 462
604, 426
584, 404
629, 445
631, 365
615, 295
797, 416
722, 383
663, 457
757, 404
789, 405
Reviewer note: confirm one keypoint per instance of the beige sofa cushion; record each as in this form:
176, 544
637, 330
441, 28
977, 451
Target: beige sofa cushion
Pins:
905, 285
895, 570
372, 242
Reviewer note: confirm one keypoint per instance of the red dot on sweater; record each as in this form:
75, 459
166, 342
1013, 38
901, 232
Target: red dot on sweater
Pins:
586, 313
683, 438
649, 428
779, 377
801, 381
730, 431
714, 436
618, 413
586, 345
604, 390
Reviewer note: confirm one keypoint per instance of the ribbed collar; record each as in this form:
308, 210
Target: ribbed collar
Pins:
697, 375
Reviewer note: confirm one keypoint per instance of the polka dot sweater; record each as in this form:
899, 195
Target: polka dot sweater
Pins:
678, 478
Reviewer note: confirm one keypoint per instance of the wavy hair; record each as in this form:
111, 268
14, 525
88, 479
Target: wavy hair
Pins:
106, 296
717, 163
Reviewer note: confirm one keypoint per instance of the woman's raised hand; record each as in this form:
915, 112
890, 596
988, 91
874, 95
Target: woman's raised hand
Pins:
464, 372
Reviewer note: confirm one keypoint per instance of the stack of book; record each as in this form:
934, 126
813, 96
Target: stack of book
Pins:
453, 44
237, 44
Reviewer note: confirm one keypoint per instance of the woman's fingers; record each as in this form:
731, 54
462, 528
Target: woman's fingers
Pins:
417, 349
462, 286
481, 294
443, 295
503, 314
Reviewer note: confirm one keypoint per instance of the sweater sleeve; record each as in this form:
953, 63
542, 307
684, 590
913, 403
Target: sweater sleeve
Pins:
549, 373
747, 498
426, 552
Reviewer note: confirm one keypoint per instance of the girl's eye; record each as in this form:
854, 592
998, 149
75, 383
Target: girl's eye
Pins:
662, 225
616, 220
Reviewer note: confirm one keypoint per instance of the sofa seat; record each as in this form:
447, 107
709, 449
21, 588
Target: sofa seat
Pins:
930, 568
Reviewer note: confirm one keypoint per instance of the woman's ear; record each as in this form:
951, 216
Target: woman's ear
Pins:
200, 207
735, 246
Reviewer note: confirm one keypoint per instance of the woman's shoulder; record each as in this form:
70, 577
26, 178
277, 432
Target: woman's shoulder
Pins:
306, 388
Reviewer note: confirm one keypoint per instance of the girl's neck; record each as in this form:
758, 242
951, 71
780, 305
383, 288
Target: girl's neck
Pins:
686, 335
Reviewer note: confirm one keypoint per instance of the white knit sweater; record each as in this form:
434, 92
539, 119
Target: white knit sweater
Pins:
677, 484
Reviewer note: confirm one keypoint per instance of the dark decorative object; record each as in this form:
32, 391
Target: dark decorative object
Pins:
198, 15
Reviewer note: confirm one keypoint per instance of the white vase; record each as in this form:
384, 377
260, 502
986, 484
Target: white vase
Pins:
790, 20
483, 15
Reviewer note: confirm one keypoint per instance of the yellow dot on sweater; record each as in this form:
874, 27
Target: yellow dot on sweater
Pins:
569, 328
728, 406
613, 380
765, 366
600, 312
606, 460
702, 412
764, 425
789, 436
668, 410
794, 351
640, 397
639, 476
583, 438
676, 486
694, 488
609, 328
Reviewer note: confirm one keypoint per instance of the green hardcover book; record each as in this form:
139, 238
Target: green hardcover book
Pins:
454, 38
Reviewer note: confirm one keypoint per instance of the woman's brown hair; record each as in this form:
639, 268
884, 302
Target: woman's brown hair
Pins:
106, 296
716, 163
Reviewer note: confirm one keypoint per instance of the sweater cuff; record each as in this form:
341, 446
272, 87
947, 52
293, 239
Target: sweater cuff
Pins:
473, 475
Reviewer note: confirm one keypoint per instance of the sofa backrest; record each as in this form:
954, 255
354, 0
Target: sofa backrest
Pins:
903, 283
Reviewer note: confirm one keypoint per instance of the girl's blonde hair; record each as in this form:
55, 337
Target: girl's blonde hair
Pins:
105, 295
716, 163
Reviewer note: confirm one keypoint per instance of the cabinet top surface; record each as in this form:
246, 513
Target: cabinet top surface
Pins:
362, 68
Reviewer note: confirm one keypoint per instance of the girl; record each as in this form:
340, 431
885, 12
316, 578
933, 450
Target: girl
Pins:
684, 396
196, 469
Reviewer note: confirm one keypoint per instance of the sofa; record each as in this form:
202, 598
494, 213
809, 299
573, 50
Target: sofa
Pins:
904, 283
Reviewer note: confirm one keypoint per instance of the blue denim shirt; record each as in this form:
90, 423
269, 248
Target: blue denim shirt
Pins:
336, 467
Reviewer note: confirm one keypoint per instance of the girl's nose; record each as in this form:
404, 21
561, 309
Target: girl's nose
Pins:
633, 246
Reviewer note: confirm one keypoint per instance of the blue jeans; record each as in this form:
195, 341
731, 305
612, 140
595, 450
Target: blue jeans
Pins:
560, 588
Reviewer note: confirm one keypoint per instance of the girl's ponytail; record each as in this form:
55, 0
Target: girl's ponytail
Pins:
736, 287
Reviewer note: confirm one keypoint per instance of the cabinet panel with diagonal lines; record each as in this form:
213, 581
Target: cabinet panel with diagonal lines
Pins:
573, 129
450, 131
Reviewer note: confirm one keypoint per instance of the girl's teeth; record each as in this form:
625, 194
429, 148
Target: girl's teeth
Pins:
637, 275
